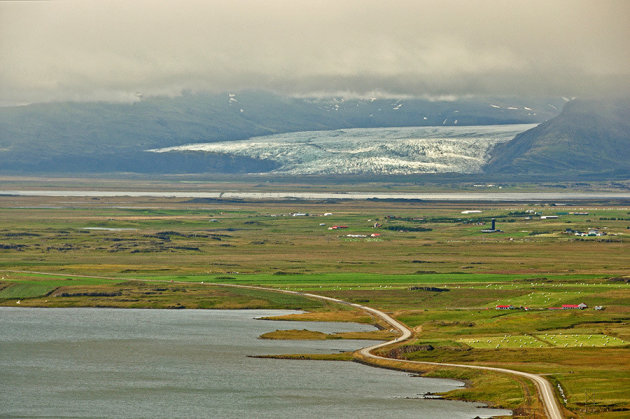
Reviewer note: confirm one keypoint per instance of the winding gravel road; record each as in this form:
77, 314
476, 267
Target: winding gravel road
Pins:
543, 386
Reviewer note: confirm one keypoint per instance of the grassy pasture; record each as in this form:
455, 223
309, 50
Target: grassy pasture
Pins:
244, 235
597, 340
543, 341
349, 281
489, 342
27, 290
21, 289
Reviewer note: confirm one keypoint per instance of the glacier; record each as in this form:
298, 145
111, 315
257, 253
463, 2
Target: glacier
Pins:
399, 150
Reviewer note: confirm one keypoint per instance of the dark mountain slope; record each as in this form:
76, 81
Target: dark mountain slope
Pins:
587, 137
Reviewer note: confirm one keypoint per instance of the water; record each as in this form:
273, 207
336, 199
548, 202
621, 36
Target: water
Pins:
452, 196
193, 363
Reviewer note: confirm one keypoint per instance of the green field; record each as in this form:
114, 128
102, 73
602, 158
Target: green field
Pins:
543, 341
20, 289
495, 342
433, 269
563, 341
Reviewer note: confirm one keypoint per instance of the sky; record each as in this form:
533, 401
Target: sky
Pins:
118, 50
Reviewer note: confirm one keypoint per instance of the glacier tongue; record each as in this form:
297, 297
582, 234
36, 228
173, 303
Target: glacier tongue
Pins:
405, 150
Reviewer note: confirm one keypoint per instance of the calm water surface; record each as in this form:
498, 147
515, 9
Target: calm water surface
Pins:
193, 363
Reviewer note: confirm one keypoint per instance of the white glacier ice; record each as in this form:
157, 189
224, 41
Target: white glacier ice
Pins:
404, 150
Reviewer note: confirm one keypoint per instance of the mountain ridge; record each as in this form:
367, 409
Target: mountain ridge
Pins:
589, 136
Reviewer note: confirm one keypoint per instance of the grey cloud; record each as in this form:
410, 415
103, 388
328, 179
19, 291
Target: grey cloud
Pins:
77, 50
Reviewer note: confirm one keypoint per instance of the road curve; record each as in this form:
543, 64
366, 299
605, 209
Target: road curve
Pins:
552, 409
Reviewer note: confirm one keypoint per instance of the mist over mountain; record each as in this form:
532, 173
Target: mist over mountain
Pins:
100, 137
588, 137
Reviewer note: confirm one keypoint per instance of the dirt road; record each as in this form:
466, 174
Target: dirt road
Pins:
543, 386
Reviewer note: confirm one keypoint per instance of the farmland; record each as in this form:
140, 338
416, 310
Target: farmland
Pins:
430, 266
543, 341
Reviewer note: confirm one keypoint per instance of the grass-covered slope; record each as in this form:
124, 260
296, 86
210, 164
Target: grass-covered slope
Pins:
587, 137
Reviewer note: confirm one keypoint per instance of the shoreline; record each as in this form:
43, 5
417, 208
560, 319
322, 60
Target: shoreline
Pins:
349, 356
544, 388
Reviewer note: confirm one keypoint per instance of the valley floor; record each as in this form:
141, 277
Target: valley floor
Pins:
428, 264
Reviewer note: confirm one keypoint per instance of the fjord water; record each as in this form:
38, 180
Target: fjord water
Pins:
193, 363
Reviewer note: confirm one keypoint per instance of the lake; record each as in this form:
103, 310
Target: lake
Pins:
86, 362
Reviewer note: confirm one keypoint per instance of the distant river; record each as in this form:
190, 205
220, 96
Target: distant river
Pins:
455, 196
84, 362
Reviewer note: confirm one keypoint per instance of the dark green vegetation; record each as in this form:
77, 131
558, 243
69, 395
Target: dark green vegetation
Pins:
587, 137
444, 281
105, 138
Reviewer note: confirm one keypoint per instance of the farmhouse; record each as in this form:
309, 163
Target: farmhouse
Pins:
591, 232
580, 306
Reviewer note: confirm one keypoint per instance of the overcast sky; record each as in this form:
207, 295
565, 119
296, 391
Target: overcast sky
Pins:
110, 50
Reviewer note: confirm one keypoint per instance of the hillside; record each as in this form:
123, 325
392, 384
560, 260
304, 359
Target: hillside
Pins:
588, 137
107, 137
